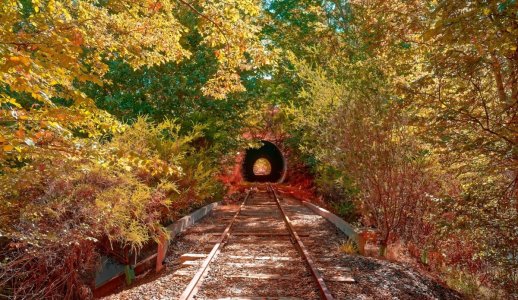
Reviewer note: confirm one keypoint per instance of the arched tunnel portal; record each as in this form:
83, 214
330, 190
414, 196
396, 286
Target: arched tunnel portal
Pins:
264, 164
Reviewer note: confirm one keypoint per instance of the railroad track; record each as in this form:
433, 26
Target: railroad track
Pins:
261, 240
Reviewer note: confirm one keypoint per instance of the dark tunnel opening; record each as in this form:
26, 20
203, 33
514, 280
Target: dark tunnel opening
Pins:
274, 172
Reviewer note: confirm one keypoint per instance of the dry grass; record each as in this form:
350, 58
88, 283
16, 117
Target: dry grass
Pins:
348, 247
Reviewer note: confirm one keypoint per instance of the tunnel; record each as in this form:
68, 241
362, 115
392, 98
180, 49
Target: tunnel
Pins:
264, 164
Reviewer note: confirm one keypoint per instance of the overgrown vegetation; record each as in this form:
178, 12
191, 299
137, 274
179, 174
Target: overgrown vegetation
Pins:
112, 125
124, 190
409, 108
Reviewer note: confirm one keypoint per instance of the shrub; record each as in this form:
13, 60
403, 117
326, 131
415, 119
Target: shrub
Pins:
57, 212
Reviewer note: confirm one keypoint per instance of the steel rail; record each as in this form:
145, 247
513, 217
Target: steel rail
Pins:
324, 291
195, 283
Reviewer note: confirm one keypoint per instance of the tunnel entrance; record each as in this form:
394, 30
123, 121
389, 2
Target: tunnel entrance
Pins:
265, 164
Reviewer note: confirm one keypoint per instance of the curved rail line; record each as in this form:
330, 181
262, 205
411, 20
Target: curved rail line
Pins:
195, 284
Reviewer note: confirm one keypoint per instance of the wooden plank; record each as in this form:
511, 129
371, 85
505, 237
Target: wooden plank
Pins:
258, 218
264, 234
260, 234
345, 269
274, 258
205, 230
279, 242
191, 256
189, 263
259, 298
325, 259
265, 264
263, 276
182, 273
346, 279
262, 215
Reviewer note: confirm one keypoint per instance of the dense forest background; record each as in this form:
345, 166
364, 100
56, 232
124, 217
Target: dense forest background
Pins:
118, 117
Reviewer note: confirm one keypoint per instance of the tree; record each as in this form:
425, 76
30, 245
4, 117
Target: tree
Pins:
395, 83
48, 47
76, 179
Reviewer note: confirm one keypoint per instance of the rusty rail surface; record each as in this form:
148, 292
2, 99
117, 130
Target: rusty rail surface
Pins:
324, 291
196, 282
191, 289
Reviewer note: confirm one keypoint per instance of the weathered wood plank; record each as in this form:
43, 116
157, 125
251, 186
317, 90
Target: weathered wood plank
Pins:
191, 256
259, 298
280, 258
263, 276
346, 279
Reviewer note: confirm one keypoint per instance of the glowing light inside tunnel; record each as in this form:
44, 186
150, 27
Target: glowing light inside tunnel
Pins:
262, 167
252, 164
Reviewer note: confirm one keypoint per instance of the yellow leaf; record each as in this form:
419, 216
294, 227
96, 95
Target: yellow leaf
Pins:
8, 148
13, 102
20, 59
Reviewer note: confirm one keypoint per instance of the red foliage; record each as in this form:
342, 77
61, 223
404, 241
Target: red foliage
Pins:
232, 177
50, 273
463, 253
